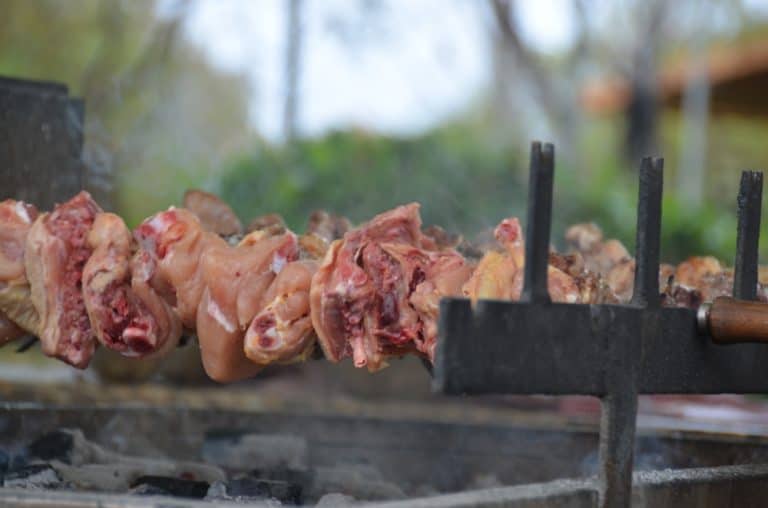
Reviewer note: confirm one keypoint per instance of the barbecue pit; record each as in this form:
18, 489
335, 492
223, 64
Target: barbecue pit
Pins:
529, 347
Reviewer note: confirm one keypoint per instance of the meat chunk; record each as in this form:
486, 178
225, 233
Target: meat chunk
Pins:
327, 226
214, 214
171, 245
17, 314
361, 297
120, 318
282, 330
271, 223
236, 280
56, 252
500, 273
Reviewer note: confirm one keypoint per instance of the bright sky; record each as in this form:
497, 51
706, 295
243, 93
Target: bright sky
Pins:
402, 67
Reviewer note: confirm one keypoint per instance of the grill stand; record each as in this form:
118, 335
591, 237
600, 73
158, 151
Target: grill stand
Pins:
614, 352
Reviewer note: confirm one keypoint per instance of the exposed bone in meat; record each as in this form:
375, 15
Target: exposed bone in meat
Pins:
236, 281
121, 320
56, 252
214, 214
361, 296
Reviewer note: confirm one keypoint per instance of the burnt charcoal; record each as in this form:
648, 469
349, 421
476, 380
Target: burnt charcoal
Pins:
58, 445
254, 488
33, 476
164, 485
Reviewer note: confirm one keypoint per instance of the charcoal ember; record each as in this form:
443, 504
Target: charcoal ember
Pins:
164, 485
263, 452
361, 481
33, 476
335, 499
58, 445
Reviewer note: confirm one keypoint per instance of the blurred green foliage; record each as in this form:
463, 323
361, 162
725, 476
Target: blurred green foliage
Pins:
463, 182
467, 183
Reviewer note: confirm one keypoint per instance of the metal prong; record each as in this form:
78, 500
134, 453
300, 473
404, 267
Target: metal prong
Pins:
748, 236
646, 290
538, 225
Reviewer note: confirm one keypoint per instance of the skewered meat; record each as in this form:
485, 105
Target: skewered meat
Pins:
327, 226
361, 295
214, 214
121, 320
271, 223
56, 252
17, 314
236, 280
499, 275
171, 245
282, 331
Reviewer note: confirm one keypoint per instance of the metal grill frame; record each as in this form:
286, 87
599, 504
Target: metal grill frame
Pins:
614, 352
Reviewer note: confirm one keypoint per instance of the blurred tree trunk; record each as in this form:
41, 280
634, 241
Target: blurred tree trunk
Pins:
517, 65
294, 34
642, 114
693, 156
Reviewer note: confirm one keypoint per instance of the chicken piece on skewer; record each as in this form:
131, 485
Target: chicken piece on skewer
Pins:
215, 215
327, 226
17, 314
171, 245
236, 280
120, 318
282, 330
499, 275
56, 253
362, 295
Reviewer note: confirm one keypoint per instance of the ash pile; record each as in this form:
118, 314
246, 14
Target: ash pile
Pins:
272, 469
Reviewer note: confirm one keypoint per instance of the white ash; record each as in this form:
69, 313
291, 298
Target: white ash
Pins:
43, 478
361, 481
263, 452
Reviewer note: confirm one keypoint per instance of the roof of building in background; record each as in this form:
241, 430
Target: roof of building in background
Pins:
738, 76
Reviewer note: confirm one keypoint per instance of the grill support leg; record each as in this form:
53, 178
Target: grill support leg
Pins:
618, 419
617, 441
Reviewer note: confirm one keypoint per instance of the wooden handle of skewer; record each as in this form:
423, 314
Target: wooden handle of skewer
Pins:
731, 321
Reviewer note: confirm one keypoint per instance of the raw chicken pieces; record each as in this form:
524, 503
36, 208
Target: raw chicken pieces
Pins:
120, 318
56, 252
